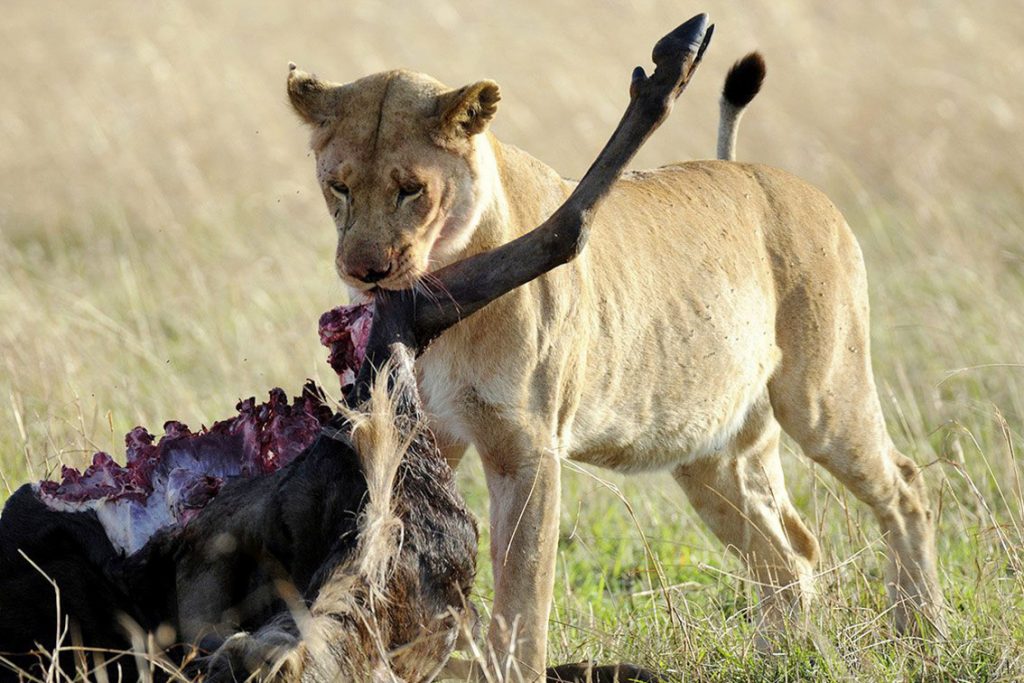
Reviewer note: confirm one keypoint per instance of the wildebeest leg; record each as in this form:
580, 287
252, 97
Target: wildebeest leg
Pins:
582, 672
587, 672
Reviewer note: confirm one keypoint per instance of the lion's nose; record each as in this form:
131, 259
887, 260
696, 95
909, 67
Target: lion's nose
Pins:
369, 275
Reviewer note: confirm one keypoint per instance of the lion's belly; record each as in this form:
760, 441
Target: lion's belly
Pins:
665, 427
681, 390
639, 390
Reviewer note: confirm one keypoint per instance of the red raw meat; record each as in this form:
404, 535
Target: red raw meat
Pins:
167, 482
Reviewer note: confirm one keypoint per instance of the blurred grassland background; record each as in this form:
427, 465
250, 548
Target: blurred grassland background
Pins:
164, 251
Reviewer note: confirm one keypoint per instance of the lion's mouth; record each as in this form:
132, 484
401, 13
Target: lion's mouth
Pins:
401, 278
404, 275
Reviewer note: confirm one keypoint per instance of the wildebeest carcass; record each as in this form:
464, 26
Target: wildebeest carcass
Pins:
293, 542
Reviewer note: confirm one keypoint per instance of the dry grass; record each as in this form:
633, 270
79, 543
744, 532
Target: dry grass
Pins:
164, 251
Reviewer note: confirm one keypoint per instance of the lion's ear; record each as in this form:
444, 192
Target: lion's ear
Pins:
315, 101
467, 111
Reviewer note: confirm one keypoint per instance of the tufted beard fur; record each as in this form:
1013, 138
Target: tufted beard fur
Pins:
375, 618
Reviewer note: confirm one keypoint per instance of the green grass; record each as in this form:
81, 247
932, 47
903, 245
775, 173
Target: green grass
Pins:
116, 328
687, 608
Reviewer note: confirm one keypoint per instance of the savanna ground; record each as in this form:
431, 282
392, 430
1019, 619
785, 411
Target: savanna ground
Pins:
164, 250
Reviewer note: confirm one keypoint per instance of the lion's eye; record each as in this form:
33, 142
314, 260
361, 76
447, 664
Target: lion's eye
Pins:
409, 192
339, 190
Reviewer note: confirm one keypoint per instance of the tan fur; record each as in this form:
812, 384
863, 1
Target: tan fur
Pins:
715, 302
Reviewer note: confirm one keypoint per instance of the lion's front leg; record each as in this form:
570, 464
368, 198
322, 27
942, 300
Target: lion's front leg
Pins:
524, 496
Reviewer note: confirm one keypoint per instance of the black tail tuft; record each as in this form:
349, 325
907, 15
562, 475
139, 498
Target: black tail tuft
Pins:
744, 80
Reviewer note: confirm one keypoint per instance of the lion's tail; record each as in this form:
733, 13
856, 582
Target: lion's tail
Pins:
741, 85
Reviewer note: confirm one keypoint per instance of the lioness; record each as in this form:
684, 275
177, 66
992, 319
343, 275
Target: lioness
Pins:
716, 303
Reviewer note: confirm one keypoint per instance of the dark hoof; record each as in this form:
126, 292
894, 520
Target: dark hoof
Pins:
588, 672
687, 38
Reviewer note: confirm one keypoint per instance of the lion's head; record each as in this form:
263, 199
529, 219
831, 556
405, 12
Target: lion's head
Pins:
398, 158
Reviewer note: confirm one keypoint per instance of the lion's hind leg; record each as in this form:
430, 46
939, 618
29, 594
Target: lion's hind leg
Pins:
741, 495
866, 462
823, 394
